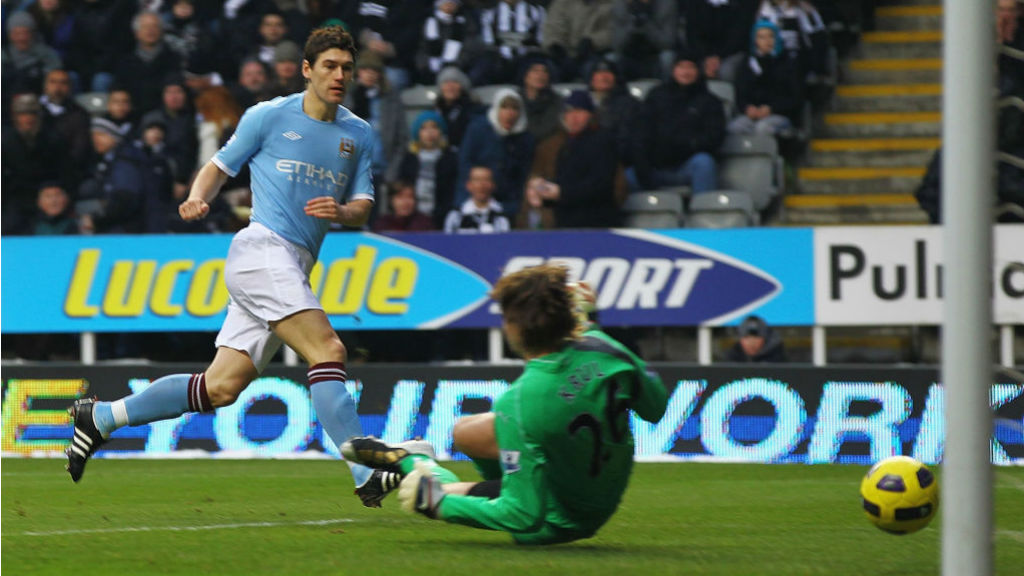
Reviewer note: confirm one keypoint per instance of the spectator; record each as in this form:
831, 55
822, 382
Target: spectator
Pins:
201, 73
112, 198
508, 31
185, 33
253, 85
644, 37
54, 216
718, 30
456, 104
803, 33
615, 108
287, 70
682, 127
500, 141
372, 98
403, 214
102, 33
55, 24
273, 32
181, 142
1010, 35
26, 58
481, 213
390, 30
159, 206
143, 70
577, 32
769, 88
543, 105
444, 33
431, 166
31, 156
217, 115
68, 120
577, 171
120, 109
757, 342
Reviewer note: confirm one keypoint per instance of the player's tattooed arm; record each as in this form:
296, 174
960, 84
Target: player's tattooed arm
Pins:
353, 214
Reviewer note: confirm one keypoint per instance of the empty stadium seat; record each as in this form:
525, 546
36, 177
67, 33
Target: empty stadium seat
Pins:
751, 163
565, 88
654, 209
722, 209
95, 103
725, 92
640, 88
416, 99
486, 93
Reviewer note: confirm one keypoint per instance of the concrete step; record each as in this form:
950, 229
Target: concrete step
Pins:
859, 180
893, 71
901, 44
889, 18
872, 153
826, 209
889, 97
882, 125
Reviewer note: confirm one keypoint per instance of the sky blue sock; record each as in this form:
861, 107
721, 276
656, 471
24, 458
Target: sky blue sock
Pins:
336, 412
167, 397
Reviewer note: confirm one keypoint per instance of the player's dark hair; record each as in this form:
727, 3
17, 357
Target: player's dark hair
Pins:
323, 39
538, 302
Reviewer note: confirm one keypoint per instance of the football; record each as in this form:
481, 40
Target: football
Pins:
900, 495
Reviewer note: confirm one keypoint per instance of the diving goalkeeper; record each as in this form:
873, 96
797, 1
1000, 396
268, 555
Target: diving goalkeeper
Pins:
561, 432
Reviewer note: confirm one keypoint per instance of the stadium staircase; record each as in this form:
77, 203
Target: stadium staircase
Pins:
871, 148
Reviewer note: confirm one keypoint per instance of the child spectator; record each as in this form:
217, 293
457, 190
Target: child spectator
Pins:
481, 214
768, 89
431, 165
403, 214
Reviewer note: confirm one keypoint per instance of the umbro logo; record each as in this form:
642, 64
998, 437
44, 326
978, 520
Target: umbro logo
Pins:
292, 135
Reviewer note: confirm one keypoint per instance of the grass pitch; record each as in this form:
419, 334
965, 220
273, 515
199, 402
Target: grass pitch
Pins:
300, 517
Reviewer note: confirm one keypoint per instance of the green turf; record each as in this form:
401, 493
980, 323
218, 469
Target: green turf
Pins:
147, 517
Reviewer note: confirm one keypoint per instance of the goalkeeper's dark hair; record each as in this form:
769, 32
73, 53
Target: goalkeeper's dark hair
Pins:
538, 302
323, 39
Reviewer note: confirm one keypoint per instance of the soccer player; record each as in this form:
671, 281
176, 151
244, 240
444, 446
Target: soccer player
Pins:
310, 164
561, 431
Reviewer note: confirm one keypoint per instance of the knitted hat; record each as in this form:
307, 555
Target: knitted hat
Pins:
428, 116
100, 124
370, 60
20, 20
287, 52
26, 104
581, 100
454, 74
753, 326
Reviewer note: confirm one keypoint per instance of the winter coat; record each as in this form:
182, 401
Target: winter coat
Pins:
774, 81
719, 28
445, 172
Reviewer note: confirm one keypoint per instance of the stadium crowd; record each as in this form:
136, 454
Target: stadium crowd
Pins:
175, 76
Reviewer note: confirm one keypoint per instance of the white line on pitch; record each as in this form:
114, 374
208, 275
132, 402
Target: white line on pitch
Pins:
189, 528
1012, 534
1011, 480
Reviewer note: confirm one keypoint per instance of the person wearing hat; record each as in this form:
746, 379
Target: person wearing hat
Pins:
500, 141
616, 109
287, 65
456, 104
28, 58
431, 166
373, 99
769, 91
543, 104
757, 342
576, 172
682, 127
31, 155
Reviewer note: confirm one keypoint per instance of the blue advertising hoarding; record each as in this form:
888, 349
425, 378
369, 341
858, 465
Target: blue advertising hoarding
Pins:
422, 281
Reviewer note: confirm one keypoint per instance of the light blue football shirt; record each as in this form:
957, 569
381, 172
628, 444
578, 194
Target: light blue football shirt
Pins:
294, 158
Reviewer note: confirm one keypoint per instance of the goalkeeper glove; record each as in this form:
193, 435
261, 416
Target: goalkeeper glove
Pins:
421, 491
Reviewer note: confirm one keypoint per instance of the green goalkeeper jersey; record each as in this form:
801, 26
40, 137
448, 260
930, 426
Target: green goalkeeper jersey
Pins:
565, 442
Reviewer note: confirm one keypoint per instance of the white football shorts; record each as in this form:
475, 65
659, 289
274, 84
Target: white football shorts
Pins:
268, 279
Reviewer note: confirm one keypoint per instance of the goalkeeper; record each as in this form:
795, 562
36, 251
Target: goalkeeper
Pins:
561, 432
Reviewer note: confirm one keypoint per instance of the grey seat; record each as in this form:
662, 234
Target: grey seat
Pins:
563, 89
653, 209
751, 163
485, 94
640, 88
725, 92
722, 209
95, 103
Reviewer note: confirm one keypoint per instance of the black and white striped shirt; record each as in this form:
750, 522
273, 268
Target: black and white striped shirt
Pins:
513, 28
